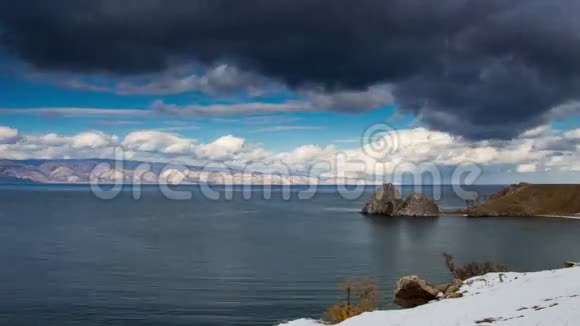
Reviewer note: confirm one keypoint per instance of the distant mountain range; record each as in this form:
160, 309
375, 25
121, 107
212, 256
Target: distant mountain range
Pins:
105, 171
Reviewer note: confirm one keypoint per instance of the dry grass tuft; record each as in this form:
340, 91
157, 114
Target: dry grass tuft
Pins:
470, 270
361, 295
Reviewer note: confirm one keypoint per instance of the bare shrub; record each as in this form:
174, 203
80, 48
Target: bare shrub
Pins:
361, 295
472, 269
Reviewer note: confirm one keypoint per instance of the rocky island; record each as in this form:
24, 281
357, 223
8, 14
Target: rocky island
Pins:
386, 201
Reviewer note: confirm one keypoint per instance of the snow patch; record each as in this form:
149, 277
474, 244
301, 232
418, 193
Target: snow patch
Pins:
548, 298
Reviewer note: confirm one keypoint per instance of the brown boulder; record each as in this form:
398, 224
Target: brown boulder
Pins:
413, 291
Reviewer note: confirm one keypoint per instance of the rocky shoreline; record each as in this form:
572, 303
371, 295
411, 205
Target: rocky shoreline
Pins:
518, 200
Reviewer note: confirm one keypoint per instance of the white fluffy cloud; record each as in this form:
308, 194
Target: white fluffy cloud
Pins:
572, 134
222, 148
537, 151
92, 144
8, 135
526, 168
93, 140
157, 141
53, 139
307, 155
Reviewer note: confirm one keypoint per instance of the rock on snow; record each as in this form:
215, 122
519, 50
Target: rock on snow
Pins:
547, 298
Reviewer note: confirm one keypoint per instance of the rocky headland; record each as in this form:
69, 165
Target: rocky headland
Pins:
387, 201
526, 199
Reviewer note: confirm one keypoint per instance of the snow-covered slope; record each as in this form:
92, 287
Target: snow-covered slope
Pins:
547, 298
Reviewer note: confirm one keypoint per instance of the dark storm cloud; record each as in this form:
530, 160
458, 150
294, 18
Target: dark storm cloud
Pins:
483, 69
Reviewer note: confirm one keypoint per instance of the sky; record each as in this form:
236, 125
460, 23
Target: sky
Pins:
285, 83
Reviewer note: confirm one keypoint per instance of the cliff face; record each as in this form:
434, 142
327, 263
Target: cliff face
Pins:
384, 201
387, 201
531, 200
417, 204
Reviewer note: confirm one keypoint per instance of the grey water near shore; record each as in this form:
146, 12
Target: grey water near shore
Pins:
69, 258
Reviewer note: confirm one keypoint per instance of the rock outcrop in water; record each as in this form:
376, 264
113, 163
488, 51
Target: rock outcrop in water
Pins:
386, 201
418, 204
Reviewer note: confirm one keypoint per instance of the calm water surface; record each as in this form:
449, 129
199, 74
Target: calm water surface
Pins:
68, 258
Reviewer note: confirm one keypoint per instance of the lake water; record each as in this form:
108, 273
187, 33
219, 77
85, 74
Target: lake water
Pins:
69, 258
